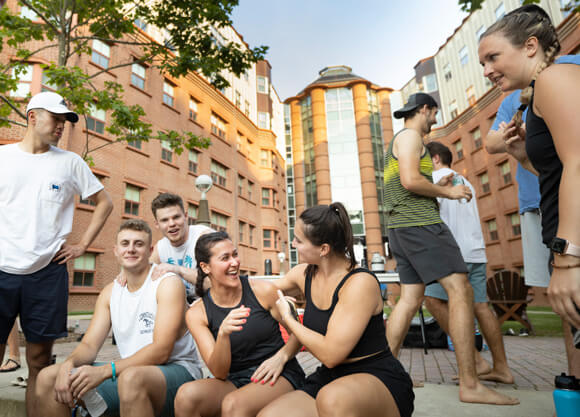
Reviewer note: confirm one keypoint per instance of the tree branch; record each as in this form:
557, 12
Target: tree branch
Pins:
16, 109
14, 122
48, 22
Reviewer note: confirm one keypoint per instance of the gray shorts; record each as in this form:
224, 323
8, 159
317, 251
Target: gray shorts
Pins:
425, 254
536, 254
477, 279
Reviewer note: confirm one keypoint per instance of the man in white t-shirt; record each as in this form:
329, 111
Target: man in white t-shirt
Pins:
176, 251
38, 185
462, 218
157, 351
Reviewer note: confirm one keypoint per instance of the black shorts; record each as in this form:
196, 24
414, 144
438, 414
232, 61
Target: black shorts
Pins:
384, 366
292, 371
39, 298
425, 254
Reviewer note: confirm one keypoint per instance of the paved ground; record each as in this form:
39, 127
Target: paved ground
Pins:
534, 362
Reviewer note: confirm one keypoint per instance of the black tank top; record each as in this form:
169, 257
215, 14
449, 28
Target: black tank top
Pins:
260, 337
543, 156
373, 339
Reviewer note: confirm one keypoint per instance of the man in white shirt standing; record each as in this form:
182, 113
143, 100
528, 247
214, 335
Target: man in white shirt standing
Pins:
462, 218
38, 185
175, 252
157, 351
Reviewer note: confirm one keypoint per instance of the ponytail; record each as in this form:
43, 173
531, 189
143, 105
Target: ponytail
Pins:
203, 254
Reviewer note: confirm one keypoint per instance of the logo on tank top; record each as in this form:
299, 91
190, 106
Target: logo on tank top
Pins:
146, 322
186, 262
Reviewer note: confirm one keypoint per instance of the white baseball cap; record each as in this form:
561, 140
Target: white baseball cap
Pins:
53, 103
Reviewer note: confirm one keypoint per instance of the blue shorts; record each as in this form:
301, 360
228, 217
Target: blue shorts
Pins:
39, 298
477, 280
175, 376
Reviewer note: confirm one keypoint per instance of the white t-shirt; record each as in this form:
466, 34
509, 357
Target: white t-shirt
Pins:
133, 321
463, 221
37, 204
183, 255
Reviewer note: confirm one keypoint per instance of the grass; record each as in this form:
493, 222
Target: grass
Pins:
79, 313
545, 322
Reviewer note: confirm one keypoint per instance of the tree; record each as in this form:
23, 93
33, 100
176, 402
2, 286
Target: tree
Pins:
472, 5
190, 43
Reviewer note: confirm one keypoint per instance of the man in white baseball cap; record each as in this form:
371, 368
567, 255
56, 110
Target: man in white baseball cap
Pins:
38, 185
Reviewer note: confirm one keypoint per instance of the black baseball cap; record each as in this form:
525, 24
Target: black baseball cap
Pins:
416, 100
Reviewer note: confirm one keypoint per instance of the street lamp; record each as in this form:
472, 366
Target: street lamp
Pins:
281, 258
203, 183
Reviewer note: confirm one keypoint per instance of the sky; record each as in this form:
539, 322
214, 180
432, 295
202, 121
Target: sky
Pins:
381, 40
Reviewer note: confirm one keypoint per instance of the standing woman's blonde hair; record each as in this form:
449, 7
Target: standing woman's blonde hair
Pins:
518, 26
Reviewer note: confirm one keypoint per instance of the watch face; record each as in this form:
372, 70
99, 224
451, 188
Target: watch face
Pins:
558, 245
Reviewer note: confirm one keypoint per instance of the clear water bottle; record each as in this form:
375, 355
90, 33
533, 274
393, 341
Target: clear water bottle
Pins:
567, 396
94, 403
458, 180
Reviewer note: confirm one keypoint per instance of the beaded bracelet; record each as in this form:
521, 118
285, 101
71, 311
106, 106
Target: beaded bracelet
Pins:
564, 266
114, 376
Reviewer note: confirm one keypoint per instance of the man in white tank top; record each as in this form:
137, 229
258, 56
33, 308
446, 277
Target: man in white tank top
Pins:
157, 352
175, 253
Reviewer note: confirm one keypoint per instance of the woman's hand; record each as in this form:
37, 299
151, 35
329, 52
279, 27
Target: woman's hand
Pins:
234, 321
284, 306
564, 292
270, 369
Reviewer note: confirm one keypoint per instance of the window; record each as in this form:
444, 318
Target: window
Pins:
219, 222
138, 76
515, 222
241, 230
137, 143
191, 214
96, 120
193, 109
506, 173
218, 173
240, 142
168, 94
262, 84
265, 158
447, 72
251, 234
140, 24
429, 83
464, 55
470, 95
24, 81
453, 109
476, 135
238, 100
84, 270
484, 181
263, 120
250, 189
240, 185
101, 53
88, 201
28, 13
492, 227
266, 197
218, 126
500, 11
459, 149
479, 32
46, 85
193, 160
270, 238
247, 108
132, 199
166, 151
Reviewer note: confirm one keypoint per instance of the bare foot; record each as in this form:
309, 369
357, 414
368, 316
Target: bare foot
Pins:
483, 395
482, 368
505, 377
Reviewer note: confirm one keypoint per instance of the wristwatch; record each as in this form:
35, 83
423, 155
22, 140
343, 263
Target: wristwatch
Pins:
564, 247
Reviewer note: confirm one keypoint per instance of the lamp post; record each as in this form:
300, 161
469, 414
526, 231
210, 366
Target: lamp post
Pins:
281, 258
203, 183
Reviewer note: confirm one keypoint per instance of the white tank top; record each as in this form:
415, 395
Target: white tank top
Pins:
133, 320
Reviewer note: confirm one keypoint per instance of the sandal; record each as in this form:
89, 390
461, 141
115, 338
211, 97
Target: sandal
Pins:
14, 365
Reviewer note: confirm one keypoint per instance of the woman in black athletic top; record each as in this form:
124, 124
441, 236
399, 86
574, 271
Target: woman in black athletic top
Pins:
238, 336
343, 327
517, 52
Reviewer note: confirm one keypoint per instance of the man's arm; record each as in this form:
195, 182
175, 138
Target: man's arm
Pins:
189, 274
103, 209
409, 150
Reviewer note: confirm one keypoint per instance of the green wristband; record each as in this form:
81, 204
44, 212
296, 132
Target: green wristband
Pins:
114, 376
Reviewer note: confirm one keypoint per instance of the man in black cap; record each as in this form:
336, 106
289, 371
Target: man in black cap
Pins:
423, 246
38, 184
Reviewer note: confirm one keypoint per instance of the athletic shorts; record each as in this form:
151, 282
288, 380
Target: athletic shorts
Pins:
39, 298
477, 279
383, 365
292, 371
175, 376
425, 254
536, 254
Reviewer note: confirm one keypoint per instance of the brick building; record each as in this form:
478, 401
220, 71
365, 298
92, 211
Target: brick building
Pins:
248, 197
